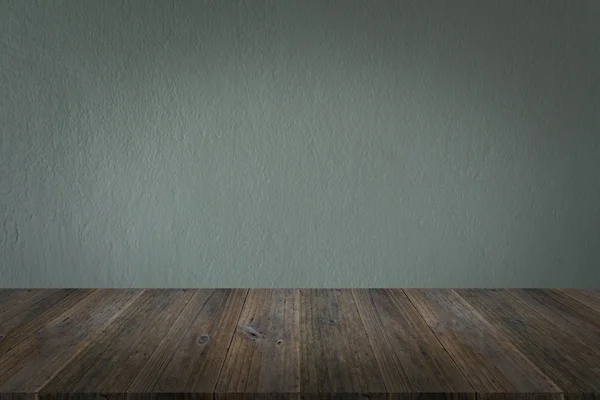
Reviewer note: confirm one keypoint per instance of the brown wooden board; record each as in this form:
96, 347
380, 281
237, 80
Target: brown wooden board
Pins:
483, 353
28, 316
11, 297
115, 355
565, 312
264, 354
588, 297
198, 355
335, 353
30, 365
410, 356
571, 365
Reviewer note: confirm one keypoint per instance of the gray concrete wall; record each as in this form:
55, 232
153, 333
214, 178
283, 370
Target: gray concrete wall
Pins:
299, 143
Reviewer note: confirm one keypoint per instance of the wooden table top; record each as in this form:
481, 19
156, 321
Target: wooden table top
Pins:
301, 343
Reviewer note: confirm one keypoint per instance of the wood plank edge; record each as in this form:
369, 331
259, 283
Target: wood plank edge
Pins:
584, 304
362, 320
231, 339
436, 337
299, 396
90, 339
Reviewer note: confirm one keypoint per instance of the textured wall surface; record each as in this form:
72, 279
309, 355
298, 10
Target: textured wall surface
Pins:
299, 143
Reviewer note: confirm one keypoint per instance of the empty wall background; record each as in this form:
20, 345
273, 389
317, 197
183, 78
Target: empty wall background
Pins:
313, 143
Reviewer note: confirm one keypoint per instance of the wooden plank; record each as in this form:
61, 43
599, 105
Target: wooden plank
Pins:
30, 365
11, 297
410, 356
19, 307
264, 354
197, 356
200, 307
582, 323
485, 356
27, 317
114, 356
569, 363
588, 297
18, 396
522, 396
335, 353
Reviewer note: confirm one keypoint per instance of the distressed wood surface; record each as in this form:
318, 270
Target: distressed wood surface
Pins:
30, 315
29, 366
126, 345
9, 298
335, 353
198, 355
264, 353
410, 356
299, 343
482, 352
564, 311
588, 297
576, 370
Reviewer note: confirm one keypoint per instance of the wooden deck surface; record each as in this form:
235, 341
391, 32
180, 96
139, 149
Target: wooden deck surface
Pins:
299, 343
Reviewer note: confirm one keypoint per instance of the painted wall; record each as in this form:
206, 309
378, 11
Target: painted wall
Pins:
299, 143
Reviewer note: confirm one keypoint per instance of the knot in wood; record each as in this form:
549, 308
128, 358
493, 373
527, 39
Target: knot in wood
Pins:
202, 339
253, 333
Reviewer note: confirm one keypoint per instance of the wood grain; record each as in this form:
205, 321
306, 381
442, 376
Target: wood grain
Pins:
485, 356
198, 355
588, 297
201, 307
264, 354
115, 355
13, 302
565, 312
410, 356
11, 297
31, 314
301, 344
335, 353
30, 365
565, 360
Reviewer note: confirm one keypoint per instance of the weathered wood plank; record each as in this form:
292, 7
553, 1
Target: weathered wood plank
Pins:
33, 313
198, 355
11, 297
264, 354
114, 356
123, 396
201, 305
521, 396
31, 364
335, 353
588, 297
565, 312
485, 356
18, 396
569, 363
410, 356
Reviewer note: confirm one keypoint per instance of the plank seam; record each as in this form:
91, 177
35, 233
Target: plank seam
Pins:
578, 300
15, 305
438, 339
90, 342
166, 362
499, 334
551, 321
49, 322
387, 390
214, 395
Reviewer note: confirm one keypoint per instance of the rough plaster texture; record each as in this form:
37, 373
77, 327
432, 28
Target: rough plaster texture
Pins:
299, 143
